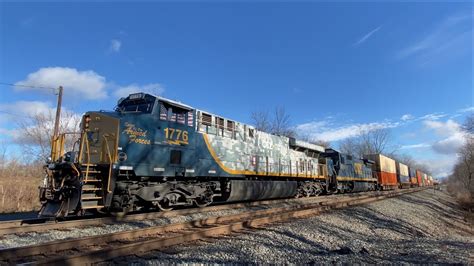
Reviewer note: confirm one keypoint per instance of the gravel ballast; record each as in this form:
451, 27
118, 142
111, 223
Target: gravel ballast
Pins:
33, 238
422, 227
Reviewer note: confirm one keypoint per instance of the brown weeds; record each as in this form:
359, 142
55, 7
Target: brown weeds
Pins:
19, 187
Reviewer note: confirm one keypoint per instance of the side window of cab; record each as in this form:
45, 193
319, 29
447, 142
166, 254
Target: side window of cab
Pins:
175, 114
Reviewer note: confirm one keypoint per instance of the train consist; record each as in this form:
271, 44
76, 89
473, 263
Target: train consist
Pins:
153, 152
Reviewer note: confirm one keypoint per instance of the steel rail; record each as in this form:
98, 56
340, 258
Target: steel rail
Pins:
43, 224
112, 245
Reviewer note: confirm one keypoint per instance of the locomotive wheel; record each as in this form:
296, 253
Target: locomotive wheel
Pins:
164, 205
318, 190
202, 202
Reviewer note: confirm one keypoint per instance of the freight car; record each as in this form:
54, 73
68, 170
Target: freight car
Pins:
155, 153
385, 170
419, 178
403, 176
413, 180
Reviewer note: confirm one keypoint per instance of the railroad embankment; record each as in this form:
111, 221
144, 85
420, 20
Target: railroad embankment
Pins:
422, 227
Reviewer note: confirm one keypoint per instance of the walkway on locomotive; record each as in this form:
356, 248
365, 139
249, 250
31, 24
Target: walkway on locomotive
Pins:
193, 142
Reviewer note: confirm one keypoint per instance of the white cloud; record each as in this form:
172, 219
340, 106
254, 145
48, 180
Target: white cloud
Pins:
328, 131
152, 88
466, 110
367, 36
450, 35
441, 166
321, 130
86, 84
27, 108
416, 146
407, 117
115, 46
450, 145
6, 132
433, 116
23, 112
297, 90
450, 131
444, 129
13, 112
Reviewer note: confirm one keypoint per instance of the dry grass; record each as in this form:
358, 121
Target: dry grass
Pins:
463, 196
19, 187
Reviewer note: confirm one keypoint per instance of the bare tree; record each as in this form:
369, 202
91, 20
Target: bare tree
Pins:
34, 134
405, 159
469, 124
349, 146
322, 143
261, 120
279, 123
460, 183
375, 141
369, 142
308, 138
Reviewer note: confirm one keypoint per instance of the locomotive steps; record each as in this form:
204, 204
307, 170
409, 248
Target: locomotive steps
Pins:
105, 247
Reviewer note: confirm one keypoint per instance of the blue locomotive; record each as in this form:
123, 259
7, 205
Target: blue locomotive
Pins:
153, 152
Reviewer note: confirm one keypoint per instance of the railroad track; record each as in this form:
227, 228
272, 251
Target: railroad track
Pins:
99, 248
42, 224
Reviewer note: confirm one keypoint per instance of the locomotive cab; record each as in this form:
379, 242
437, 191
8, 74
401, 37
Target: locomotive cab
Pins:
352, 174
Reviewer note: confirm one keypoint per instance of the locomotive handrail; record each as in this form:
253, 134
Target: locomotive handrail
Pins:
218, 128
81, 147
110, 162
88, 158
108, 149
57, 145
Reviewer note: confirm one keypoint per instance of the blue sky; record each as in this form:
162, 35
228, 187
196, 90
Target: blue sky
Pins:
337, 68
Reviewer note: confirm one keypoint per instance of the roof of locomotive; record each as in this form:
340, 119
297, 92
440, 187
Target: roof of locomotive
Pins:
296, 142
143, 95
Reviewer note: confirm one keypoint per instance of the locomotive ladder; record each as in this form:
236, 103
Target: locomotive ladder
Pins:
93, 187
92, 195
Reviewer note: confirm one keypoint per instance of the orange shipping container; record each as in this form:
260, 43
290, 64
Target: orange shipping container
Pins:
385, 169
419, 176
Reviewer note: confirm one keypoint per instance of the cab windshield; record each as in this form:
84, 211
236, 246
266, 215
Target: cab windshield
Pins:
140, 103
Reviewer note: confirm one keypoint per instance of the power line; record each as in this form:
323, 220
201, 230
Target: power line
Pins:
17, 115
28, 86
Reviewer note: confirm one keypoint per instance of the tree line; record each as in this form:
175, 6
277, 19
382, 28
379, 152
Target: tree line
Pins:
460, 182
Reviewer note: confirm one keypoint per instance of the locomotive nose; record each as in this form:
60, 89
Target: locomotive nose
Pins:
77, 183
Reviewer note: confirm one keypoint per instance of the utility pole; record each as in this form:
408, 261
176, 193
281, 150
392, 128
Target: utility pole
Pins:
58, 112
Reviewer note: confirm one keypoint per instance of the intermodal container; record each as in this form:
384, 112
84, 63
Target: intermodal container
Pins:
403, 177
413, 179
419, 178
385, 169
